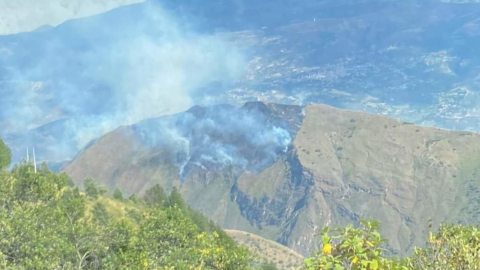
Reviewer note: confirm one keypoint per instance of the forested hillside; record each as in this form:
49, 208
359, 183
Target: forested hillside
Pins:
47, 223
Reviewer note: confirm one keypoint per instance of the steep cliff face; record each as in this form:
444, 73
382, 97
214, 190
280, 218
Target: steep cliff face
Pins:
366, 166
284, 172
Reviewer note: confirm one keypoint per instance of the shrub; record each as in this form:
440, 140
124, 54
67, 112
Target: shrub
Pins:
453, 247
5, 156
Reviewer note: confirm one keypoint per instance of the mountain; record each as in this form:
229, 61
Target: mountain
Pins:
283, 171
27, 15
414, 60
77, 77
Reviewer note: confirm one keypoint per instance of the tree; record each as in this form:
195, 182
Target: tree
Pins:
176, 200
92, 189
117, 194
452, 247
47, 224
134, 198
155, 196
100, 213
72, 205
349, 248
352, 248
5, 156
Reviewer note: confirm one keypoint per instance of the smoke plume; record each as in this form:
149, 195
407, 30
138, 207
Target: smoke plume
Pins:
88, 76
217, 137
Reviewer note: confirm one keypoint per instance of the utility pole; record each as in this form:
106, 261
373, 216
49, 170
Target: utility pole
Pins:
28, 157
34, 161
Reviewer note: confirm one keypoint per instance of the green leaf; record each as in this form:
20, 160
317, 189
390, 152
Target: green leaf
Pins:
325, 239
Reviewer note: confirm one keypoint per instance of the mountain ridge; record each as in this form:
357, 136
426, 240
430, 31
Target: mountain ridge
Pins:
385, 57
50, 14
338, 167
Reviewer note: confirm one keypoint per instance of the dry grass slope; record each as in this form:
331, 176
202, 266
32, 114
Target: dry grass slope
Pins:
268, 251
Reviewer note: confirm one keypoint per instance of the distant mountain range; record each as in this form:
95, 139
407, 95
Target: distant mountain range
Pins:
27, 15
284, 172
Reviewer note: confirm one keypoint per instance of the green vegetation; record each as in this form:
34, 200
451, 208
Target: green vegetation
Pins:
5, 156
47, 223
453, 247
155, 196
118, 195
92, 190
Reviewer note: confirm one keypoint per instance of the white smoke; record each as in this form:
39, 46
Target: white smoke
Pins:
99, 77
217, 137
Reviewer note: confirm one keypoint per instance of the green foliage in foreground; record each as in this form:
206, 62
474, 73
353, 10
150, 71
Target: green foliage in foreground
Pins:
46, 223
5, 156
453, 247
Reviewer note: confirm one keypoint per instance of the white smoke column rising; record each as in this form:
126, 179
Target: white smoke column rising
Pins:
218, 137
166, 75
95, 74
157, 75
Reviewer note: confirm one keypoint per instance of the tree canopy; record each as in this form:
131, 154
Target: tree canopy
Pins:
452, 247
5, 156
46, 223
